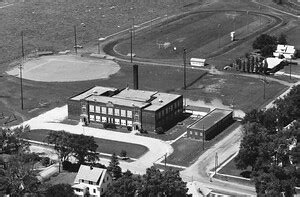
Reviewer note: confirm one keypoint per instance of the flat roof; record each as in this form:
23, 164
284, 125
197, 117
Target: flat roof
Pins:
136, 95
97, 90
210, 119
197, 108
116, 101
161, 99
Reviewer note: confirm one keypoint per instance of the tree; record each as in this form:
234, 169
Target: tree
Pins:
263, 41
19, 177
249, 147
114, 167
127, 185
282, 39
84, 148
169, 183
173, 184
60, 190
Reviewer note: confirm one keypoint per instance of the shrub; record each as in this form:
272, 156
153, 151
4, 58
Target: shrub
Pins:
129, 128
159, 130
109, 125
123, 153
45, 161
70, 167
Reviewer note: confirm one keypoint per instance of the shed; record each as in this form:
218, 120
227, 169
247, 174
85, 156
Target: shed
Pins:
197, 62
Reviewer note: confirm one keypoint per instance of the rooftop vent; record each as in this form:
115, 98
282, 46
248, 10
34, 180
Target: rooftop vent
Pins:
160, 100
95, 92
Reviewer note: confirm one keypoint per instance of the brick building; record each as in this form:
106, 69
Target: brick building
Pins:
138, 109
210, 125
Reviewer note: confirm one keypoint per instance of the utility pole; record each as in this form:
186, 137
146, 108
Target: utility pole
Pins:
216, 163
203, 137
264, 86
219, 25
131, 45
247, 21
21, 67
166, 161
184, 68
75, 39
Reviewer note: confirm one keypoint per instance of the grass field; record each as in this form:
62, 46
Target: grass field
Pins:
104, 146
186, 150
200, 33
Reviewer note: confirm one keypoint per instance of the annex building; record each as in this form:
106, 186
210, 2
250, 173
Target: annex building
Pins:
138, 109
207, 127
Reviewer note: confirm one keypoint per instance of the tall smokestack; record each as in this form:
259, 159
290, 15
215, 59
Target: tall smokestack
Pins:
135, 77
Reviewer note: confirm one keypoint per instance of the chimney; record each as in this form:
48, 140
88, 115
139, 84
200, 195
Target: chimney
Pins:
135, 77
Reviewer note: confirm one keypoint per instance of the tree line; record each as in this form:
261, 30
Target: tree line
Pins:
271, 148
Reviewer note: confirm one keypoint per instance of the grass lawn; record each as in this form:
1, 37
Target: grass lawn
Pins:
104, 146
231, 169
63, 177
187, 150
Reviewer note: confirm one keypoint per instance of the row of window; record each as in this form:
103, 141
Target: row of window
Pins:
169, 109
117, 121
110, 111
195, 133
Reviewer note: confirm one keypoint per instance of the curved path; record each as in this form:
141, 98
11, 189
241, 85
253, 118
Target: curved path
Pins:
108, 46
157, 148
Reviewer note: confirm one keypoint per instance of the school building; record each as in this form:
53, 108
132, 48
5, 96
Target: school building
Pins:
139, 109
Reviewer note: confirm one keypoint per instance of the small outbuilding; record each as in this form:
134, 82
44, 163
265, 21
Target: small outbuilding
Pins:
210, 125
197, 62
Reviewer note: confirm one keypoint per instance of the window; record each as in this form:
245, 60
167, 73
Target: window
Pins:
98, 109
129, 114
101, 189
106, 178
92, 108
123, 113
110, 111
103, 110
117, 121
200, 133
98, 118
94, 191
91, 182
104, 119
191, 132
196, 133
117, 112
123, 122
92, 118
129, 123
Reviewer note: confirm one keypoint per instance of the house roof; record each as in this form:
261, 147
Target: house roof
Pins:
135, 95
89, 173
116, 101
161, 99
98, 90
197, 189
273, 62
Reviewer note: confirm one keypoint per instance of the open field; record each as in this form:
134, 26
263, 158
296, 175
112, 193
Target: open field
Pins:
65, 69
48, 25
201, 33
104, 146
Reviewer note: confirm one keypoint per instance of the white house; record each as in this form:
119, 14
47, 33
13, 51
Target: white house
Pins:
92, 180
287, 51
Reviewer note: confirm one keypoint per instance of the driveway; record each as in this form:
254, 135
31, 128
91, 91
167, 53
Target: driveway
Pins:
157, 148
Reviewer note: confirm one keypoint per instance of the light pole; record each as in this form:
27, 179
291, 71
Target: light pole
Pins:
184, 68
75, 39
21, 67
216, 163
219, 25
100, 40
247, 21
